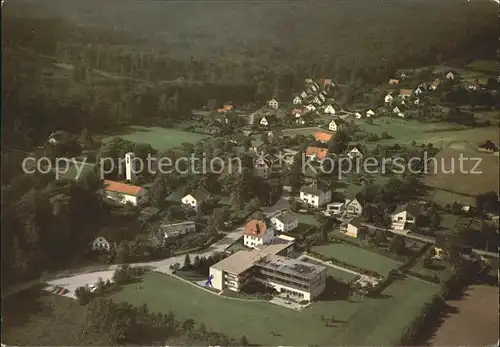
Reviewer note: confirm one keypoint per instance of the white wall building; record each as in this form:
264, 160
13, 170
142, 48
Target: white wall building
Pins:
332, 126
177, 229
195, 198
297, 100
125, 193
273, 103
353, 207
257, 233
355, 153
405, 215
314, 196
285, 222
330, 110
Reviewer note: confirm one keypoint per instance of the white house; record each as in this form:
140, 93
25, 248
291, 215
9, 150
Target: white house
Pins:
396, 110
303, 95
273, 103
330, 109
335, 208
404, 215
257, 232
177, 229
315, 196
322, 97
450, 76
370, 113
100, 244
300, 119
311, 107
355, 153
297, 100
195, 198
261, 168
388, 98
317, 101
401, 115
332, 126
358, 115
125, 193
314, 87
264, 121
285, 222
353, 207
418, 91
416, 102
352, 228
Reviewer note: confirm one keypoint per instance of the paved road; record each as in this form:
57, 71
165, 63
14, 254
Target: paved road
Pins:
82, 277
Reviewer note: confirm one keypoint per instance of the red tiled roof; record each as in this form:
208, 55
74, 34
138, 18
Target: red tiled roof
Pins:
256, 228
320, 152
320, 136
123, 188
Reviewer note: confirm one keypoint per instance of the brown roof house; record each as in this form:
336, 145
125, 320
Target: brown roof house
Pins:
258, 232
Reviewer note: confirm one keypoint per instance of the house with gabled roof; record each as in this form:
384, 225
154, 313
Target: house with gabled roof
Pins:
327, 82
258, 232
393, 81
273, 103
322, 97
297, 100
311, 107
353, 207
404, 215
317, 100
304, 95
405, 93
450, 76
285, 222
124, 193
322, 137
264, 121
418, 91
370, 113
316, 153
195, 198
332, 126
396, 110
355, 152
315, 196
388, 98
329, 109
353, 228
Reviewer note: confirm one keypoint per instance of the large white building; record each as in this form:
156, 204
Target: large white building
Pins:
124, 193
298, 279
257, 233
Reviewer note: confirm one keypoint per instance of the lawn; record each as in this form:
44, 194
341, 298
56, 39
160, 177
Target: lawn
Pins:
359, 322
404, 131
159, 138
345, 276
358, 257
489, 66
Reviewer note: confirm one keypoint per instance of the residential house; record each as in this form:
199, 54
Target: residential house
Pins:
393, 81
401, 115
171, 230
418, 91
404, 215
317, 100
396, 110
311, 107
101, 244
257, 232
332, 126
358, 115
435, 84
264, 121
370, 113
329, 109
314, 87
353, 207
303, 95
405, 93
316, 153
335, 209
125, 193
355, 152
327, 82
388, 98
450, 76
297, 100
322, 137
225, 108
273, 103
416, 102
195, 198
285, 222
315, 196
262, 168
322, 97
353, 228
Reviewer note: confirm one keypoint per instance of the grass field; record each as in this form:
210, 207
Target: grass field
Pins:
345, 276
359, 322
489, 66
159, 138
358, 257
404, 131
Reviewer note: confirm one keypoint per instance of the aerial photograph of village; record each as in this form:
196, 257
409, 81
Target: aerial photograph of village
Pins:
250, 173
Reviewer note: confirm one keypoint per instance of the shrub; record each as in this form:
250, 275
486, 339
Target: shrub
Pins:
83, 295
